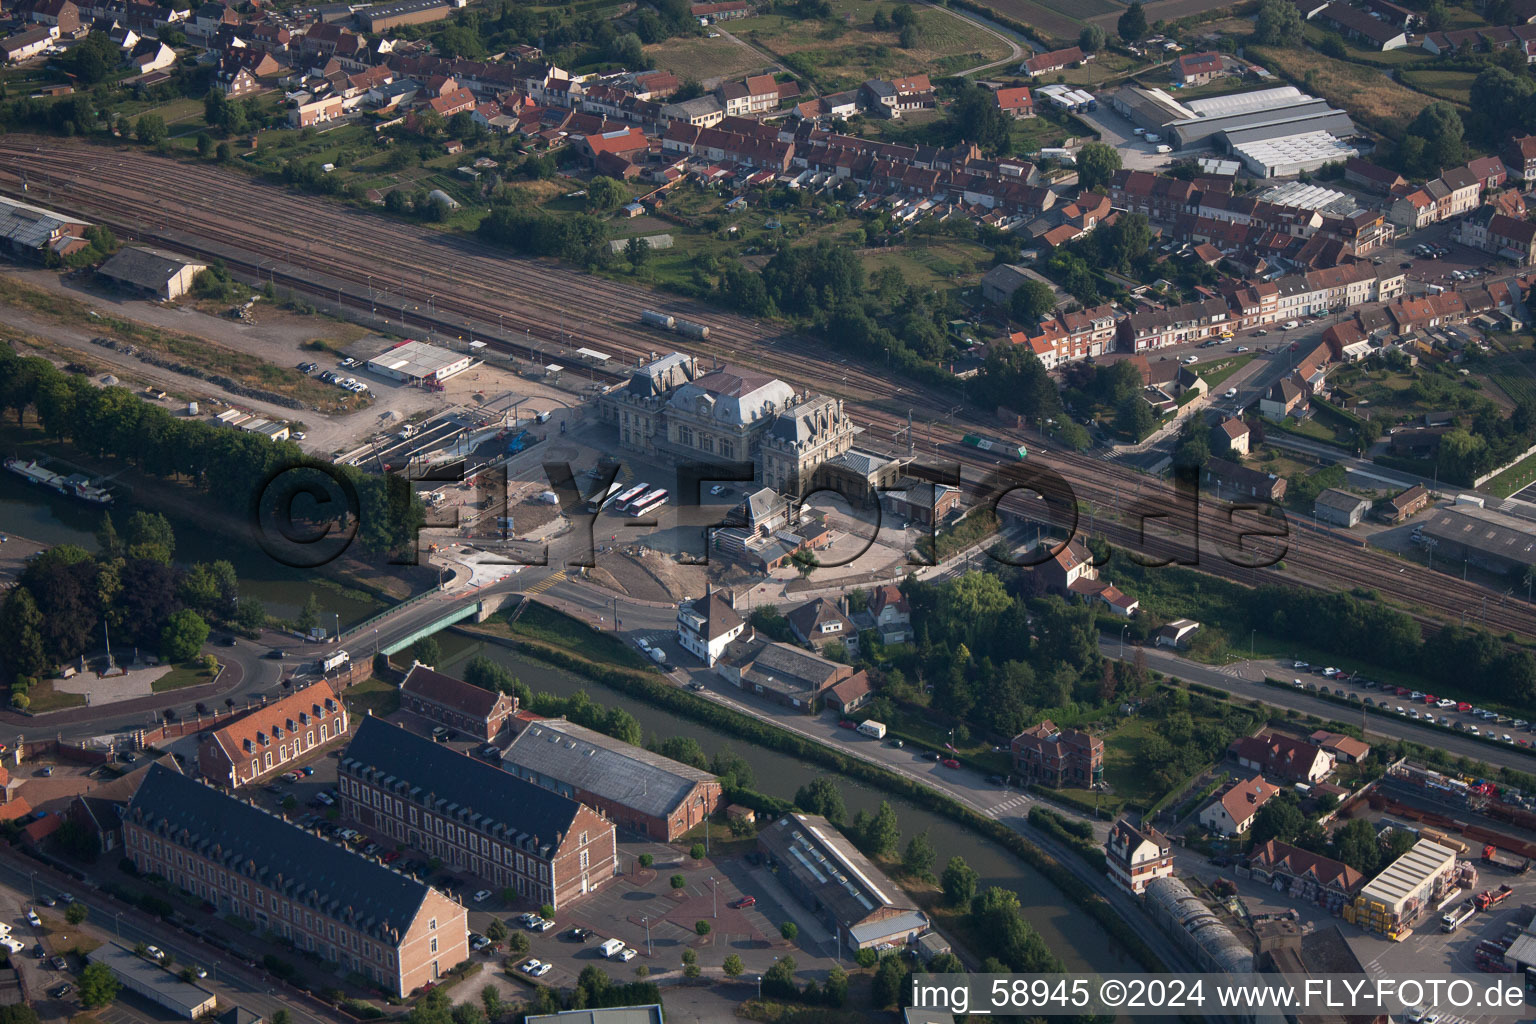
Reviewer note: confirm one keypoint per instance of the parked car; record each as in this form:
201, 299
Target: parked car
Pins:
482, 895
627, 955
579, 934
477, 942
847, 723
60, 991
744, 902
33, 919
529, 966
1289, 325
154, 953
950, 762
541, 970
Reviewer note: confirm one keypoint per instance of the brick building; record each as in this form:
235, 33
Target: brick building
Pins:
456, 704
473, 816
1057, 757
327, 900
269, 737
633, 787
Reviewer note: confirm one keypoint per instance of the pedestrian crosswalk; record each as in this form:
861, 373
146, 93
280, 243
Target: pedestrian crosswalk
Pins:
553, 579
998, 810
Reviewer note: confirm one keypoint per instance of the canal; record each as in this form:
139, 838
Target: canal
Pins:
1073, 935
50, 518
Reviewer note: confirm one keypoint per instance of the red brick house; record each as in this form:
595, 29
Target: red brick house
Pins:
268, 738
456, 704
1057, 757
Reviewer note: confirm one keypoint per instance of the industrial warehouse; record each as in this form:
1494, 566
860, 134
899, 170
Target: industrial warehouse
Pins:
1488, 540
1392, 902
824, 871
1275, 133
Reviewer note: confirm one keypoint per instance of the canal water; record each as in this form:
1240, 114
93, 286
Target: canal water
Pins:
1074, 936
43, 515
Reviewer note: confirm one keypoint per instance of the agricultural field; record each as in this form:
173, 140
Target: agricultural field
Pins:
1365, 92
1513, 372
704, 60
1167, 10
1455, 86
843, 54
1049, 20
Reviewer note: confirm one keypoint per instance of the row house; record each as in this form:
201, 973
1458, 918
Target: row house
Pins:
898, 96
1520, 157
473, 816
1253, 303
1364, 231
1493, 232
1487, 38
756, 94
210, 20
63, 16
1145, 330
1161, 199
717, 145
325, 900
1067, 337
1454, 193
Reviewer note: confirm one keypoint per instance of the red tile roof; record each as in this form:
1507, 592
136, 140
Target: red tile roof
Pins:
275, 721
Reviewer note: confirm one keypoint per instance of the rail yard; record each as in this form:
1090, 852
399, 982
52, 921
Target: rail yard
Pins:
448, 283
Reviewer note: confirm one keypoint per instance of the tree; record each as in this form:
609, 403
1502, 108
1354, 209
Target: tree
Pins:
1133, 418
974, 117
789, 930
1096, 164
835, 992
732, 966
1440, 126
888, 985
496, 931
97, 986
1278, 24
150, 536
490, 999
603, 195
427, 651
1133, 23
76, 913
702, 927
183, 634
468, 1013
518, 942
225, 153
251, 615
309, 614
637, 251
150, 129
909, 37
1031, 302
1280, 818
881, 21
959, 882
1435, 16
697, 851
204, 144
21, 634
1091, 39
883, 834
779, 980
108, 542
822, 796
919, 858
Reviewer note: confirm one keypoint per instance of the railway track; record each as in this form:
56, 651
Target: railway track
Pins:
460, 286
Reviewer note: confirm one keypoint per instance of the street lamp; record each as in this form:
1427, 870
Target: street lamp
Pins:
1122, 640
715, 889
647, 921
759, 988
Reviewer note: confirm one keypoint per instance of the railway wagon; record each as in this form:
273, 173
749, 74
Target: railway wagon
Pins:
692, 329
1006, 449
663, 320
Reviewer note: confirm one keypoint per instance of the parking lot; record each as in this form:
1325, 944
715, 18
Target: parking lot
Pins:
1460, 715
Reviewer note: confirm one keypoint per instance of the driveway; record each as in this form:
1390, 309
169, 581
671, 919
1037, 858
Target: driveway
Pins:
1135, 152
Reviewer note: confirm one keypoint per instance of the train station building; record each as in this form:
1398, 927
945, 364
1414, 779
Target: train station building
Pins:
416, 362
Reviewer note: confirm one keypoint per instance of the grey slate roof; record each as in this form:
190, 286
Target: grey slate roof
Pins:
1341, 501
326, 878
30, 227
628, 775
864, 464
146, 268
440, 774
797, 424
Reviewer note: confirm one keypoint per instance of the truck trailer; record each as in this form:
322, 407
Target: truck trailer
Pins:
1494, 857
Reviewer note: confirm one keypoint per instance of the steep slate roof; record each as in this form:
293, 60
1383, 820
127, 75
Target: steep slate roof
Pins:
321, 875
718, 614
438, 773
806, 620
628, 775
468, 698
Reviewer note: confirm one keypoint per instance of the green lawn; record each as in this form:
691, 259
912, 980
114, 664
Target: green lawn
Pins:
1124, 768
45, 698
372, 695
1215, 374
1513, 478
188, 674
542, 624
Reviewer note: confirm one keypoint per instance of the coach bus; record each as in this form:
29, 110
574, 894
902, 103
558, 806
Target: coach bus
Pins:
648, 503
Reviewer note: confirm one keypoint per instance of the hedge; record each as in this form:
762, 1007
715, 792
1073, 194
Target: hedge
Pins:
679, 701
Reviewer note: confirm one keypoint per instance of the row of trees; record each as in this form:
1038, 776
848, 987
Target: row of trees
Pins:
113, 423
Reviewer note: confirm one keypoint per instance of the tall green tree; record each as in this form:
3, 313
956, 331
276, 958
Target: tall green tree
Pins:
919, 858
21, 634
150, 129
1091, 39
1096, 165
822, 796
1132, 25
184, 633
97, 986
150, 536
1278, 23
1031, 302
959, 882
